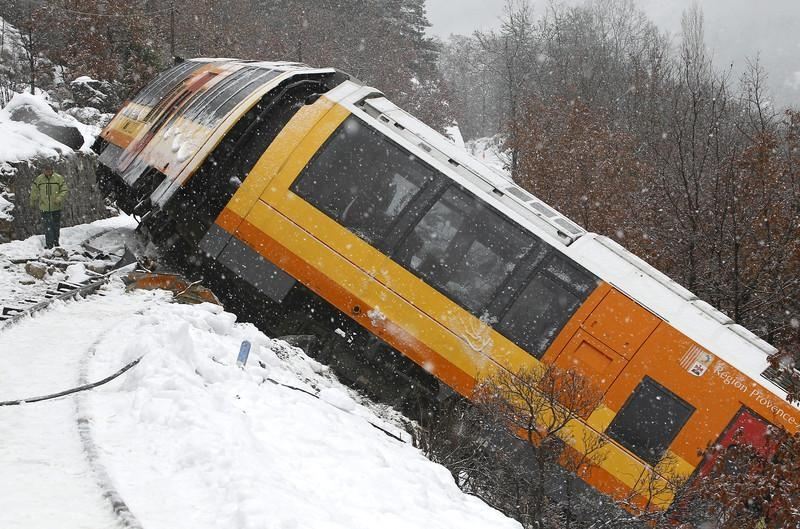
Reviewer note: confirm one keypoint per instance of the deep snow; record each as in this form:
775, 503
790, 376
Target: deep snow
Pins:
22, 141
190, 440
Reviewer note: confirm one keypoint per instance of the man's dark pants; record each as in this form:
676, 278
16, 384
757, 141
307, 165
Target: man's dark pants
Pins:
52, 227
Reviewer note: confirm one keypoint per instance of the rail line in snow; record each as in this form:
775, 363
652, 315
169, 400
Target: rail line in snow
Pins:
64, 290
121, 510
13, 311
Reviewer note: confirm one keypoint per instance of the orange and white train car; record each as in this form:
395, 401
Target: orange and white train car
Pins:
319, 197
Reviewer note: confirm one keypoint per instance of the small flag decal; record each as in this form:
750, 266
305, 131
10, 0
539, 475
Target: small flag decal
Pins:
696, 360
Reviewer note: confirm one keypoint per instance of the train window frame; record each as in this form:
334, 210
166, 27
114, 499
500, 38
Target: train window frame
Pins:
539, 277
479, 309
627, 429
381, 239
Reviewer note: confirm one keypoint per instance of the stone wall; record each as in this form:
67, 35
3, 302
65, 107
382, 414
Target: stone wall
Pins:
84, 203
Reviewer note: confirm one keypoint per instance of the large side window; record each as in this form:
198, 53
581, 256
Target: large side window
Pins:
650, 420
464, 248
549, 299
362, 180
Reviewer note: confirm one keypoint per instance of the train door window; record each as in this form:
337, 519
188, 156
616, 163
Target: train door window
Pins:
362, 180
552, 295
464, 248
650, 420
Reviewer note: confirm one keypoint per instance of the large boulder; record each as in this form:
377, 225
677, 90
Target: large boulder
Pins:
90, 116
88, 92
34, 111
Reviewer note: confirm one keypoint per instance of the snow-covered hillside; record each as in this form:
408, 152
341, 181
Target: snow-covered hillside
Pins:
186, 439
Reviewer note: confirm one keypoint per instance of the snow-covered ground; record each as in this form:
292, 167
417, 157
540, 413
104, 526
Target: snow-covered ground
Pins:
189, 440
108, 235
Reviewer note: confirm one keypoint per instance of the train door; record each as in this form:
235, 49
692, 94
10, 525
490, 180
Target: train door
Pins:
745, 428
592, 359
608, 339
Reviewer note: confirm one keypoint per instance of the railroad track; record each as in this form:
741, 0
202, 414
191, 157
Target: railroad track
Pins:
62, 291
13, 311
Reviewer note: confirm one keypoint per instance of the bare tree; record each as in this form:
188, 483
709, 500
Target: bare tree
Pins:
540, 405
511, 56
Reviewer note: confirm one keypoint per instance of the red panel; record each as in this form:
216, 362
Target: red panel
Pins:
746, 428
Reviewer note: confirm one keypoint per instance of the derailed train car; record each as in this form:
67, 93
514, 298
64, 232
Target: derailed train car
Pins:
327, 210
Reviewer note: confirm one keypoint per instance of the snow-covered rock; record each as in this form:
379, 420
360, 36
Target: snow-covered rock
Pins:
91, 116
6, 205
33, 132
34, 110
88, 92
55, 133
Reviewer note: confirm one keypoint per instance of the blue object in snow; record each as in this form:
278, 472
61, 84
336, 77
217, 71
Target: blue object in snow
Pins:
244, 352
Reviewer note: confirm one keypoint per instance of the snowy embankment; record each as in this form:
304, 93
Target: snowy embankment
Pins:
108, 235
190, 440
47, 480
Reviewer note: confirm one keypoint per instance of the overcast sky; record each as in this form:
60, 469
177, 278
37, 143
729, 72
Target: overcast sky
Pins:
735, 30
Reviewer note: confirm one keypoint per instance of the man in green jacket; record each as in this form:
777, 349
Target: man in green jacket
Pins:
49, 191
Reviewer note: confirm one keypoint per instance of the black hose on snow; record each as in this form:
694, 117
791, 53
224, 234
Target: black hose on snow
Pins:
73, 390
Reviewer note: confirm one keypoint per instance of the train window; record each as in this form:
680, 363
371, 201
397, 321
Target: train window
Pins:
553, 294
574, 278
215, 103
221, 105
464, 248
156, 90
362, 180
650, 420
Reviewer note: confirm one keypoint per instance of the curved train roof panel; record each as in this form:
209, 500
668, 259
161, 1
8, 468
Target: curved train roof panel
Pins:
176, 121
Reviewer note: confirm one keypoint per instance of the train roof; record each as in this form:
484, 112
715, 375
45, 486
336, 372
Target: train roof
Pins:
271, 65
611, 262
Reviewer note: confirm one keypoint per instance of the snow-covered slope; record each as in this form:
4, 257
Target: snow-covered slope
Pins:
190, 440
